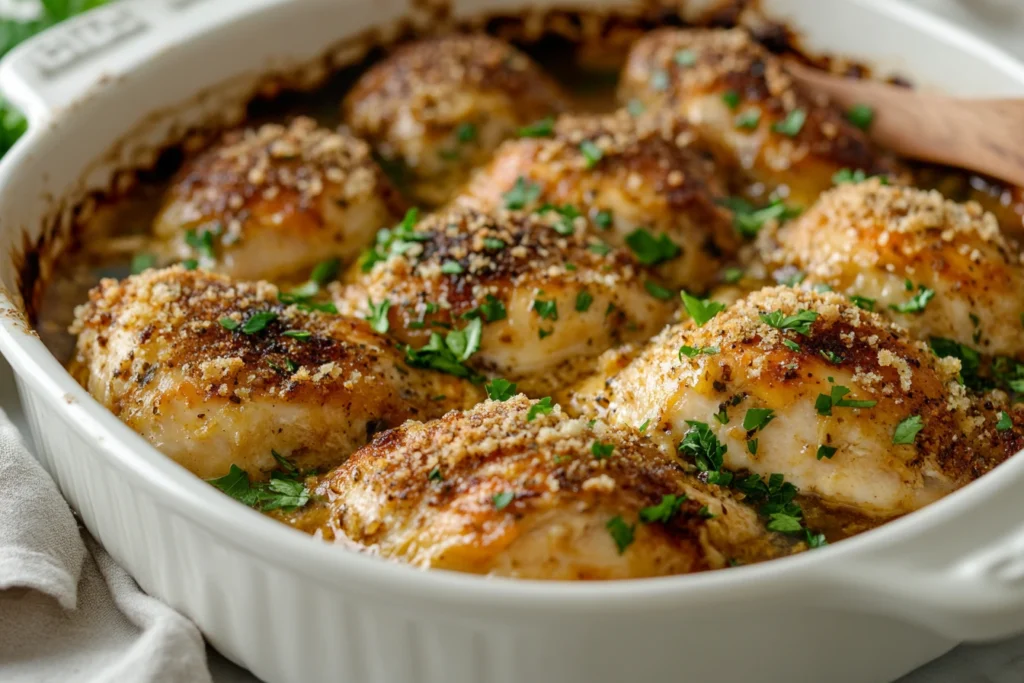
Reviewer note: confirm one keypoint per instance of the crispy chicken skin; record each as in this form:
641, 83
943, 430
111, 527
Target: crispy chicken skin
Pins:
440, 107
271, 202
156, 350
549, 302
811, 378
624, 174
870, 240
492, 491
778, 136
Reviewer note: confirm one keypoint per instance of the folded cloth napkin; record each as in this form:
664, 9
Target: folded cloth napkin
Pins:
68, 612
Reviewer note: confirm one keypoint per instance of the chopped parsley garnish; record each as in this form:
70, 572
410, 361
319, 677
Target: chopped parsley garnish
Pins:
465, 132
392, 241
907, 430
831, 356
651, 250
283, 491
600, 248
791, 345
603, 219
792, 124
142, 261
435, 474
701, 310
257, 322
748, 219
664, 511
775, 499
643, 426
547, 310
202, 240
301, 335
450, 267
821, 288
521, 194
635, 107
706, 451
731, 99
722, 416
1004, 423
325, 271
542, 333
493, 309
757, 418
863, 302
659, 79
591, 153
748, 119
621, 532
826, 452
538, 129
494, 244
916, 303
836, 399
190, 264
790, 278
501, 500
861, 115
752, 446
731, 276
583, 301
602, 450
657, 291
685, 58
799, 323
448, 353
694, 351
541, 407
499, 389
846, 175
378, 315
567, 217
705, 513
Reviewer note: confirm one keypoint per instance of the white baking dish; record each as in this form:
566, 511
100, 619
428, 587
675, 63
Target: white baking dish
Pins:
294, 609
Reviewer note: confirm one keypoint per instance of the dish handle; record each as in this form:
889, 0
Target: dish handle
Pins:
62, 65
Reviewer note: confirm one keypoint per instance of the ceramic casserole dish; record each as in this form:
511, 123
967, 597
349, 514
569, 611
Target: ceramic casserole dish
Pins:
105, 92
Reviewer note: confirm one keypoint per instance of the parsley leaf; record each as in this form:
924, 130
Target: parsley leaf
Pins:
142, 262
283, 492
602, 450
541, 407
731, 276
664, 511
702, 445
826, 452
499, 389
1005, 422
861, 115
863, 302
757, 418
501, 500
799, 323
731, 99
621, 532
521, 194
651, 250
685, 58
836, 398
392, 242
792, 124
907, 430
916, 303
538, 129
748, 219
591, 153
583, 301
657, 291
547, 310
447, 354
748, 119
701, 310
378, 315
694, 351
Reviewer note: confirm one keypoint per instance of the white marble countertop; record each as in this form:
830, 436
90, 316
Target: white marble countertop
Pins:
1002, 22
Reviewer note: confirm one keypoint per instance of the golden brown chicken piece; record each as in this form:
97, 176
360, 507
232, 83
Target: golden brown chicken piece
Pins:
271, 202
441, 106
216, 373
938, 268
637, 181
749, 110
513, 489
532, 298
835, 398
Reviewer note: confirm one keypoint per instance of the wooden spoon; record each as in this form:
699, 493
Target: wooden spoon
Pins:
983, 135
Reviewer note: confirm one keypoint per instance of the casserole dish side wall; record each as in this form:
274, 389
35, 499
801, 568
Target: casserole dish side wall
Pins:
296, 610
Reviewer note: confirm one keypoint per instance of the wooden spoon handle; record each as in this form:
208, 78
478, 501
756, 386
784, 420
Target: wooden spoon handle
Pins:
986, 136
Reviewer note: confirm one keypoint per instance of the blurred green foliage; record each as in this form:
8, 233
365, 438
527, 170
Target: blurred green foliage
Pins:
12, 32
